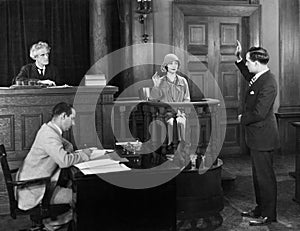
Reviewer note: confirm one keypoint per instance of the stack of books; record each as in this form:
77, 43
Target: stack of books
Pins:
95, 80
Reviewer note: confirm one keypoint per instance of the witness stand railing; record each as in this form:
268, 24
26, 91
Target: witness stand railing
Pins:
133, 120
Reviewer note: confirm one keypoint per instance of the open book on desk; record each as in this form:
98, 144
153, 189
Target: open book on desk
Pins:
103, 165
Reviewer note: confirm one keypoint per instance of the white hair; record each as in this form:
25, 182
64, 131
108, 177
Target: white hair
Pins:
36, 47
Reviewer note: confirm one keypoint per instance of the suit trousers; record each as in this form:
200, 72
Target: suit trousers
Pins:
265, 185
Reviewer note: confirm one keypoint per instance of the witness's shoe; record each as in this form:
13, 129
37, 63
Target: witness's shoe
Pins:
251, 214
262, 221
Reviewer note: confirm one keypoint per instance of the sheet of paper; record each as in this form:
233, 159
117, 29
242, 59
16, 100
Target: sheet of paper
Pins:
96, 163
103, 161
105, 169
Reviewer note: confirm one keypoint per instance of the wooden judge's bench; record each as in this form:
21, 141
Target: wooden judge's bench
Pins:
23, 111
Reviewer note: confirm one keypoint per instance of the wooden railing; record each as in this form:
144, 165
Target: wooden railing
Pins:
134, 120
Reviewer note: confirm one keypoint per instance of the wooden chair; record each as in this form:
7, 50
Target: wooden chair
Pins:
42, 210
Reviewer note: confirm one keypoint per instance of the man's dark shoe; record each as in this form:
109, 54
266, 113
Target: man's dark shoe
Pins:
251, 214
262, 221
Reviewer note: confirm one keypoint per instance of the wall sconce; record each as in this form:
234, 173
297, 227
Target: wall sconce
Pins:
144, 8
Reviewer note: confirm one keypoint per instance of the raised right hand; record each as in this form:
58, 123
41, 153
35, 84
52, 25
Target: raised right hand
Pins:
238, 50
156, 79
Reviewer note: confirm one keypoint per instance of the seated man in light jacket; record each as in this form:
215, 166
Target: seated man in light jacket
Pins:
50, 153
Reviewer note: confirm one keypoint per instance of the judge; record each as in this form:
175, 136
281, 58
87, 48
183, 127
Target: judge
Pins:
40, 71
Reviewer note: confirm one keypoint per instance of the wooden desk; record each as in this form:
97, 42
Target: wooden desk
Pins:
105, 206
189, 195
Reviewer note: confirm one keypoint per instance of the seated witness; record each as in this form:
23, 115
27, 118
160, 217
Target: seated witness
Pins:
169, 86
39, 71
50, 153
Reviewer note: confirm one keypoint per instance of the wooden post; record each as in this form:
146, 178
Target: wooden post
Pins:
297, 162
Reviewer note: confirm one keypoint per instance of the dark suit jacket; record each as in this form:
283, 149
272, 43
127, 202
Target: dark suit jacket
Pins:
30, 71
258, 117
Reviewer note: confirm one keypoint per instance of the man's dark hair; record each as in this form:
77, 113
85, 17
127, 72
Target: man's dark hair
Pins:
259, 54
62, 108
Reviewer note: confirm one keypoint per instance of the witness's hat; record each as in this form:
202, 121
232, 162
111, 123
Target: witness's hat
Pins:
169, 58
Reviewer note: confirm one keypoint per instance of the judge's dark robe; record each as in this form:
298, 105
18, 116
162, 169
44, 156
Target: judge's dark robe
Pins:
30, 71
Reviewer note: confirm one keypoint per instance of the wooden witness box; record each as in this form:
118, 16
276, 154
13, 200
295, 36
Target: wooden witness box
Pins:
23, 111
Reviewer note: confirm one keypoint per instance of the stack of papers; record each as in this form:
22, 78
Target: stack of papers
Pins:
102, 162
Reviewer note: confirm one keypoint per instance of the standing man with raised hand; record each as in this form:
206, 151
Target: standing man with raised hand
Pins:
261, 132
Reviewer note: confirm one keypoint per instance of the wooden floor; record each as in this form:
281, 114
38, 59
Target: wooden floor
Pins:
238, 196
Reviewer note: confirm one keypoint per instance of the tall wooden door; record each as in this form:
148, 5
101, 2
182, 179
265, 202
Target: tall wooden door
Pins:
211, 42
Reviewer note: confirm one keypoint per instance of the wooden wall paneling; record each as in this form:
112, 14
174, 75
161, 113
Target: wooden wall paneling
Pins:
229, 80
231, 9
85, 124
30, 124
287, 132
197, 84
289, 82
7, 131
230, 86
218, 1
232, 139
178, 28
106, 107
254, 25
4, 207
289, 53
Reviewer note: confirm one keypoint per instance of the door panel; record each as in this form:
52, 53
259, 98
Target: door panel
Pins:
212, 42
